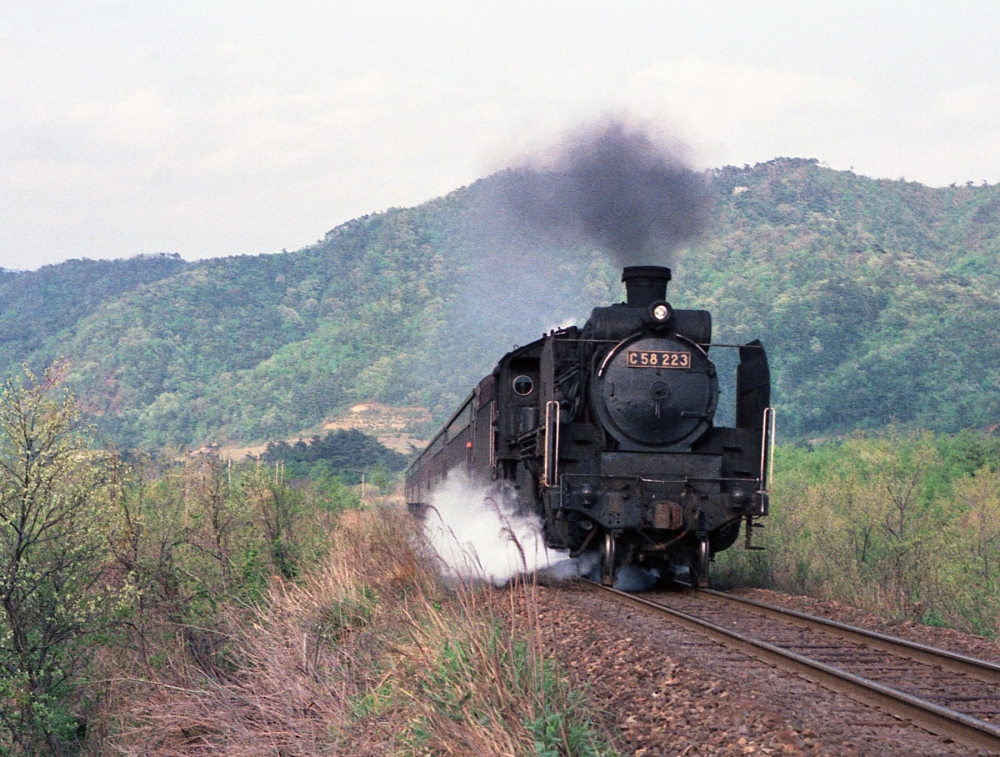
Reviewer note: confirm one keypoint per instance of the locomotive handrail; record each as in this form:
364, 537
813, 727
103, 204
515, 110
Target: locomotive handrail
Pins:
645, 480
493, 435
767, 449
692, 342
636, 334
689, 478
700, 344
550, 470
614, 351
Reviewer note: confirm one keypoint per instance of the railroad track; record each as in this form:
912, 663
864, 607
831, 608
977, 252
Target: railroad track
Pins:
947, 694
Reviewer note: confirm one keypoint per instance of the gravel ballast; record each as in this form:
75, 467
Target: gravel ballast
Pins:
666, 691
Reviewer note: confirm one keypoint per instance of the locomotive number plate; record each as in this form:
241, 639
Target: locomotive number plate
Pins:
657, 359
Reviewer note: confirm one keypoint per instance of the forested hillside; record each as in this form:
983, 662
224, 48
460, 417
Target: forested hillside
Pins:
42, 305
877, 300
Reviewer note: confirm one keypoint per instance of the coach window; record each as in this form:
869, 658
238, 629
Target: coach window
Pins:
523, 386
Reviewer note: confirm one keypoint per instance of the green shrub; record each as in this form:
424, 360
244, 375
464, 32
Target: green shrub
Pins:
906, 525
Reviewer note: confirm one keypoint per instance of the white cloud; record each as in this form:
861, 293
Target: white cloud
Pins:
221, 144
742, 113
978, 102
719, 92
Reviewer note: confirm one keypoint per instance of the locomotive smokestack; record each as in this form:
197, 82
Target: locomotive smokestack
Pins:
645, 284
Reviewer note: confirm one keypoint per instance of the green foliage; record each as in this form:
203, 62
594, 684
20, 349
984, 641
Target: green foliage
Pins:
374, 702
876, 299
331, 490
200, 534
168, 582
57, 508
381, 478
348, 454
865, 293
42, 305
906, 525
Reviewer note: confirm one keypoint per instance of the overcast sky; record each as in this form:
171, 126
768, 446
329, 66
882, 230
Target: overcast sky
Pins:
221, 127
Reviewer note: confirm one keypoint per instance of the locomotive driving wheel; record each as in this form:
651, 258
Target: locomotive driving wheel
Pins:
699, 563
609, 558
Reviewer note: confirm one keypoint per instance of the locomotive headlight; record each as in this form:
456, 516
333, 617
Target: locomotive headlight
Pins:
660, 312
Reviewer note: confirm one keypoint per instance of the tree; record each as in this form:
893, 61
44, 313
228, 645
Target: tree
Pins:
980, 528
56, 508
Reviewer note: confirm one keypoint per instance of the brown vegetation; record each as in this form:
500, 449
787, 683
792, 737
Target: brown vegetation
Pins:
370, 654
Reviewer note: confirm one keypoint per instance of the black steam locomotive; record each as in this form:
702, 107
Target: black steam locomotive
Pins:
607, 433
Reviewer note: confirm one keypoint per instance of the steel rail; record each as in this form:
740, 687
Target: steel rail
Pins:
981, 670
927, 715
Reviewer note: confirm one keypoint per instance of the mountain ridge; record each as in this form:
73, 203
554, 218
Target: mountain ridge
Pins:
876, 299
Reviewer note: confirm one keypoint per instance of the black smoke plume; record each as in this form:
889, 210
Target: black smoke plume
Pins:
532, 245
614, 184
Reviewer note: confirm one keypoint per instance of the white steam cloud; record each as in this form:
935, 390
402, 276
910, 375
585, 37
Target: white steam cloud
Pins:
478, 534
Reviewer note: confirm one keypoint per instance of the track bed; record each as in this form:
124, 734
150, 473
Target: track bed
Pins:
948, 694
669, 689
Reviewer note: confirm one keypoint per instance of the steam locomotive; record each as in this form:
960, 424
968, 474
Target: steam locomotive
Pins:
607, 433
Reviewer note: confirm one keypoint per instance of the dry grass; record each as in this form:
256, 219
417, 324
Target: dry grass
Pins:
372, 654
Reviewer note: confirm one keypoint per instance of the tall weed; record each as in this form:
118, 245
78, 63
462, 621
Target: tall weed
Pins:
369, 654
